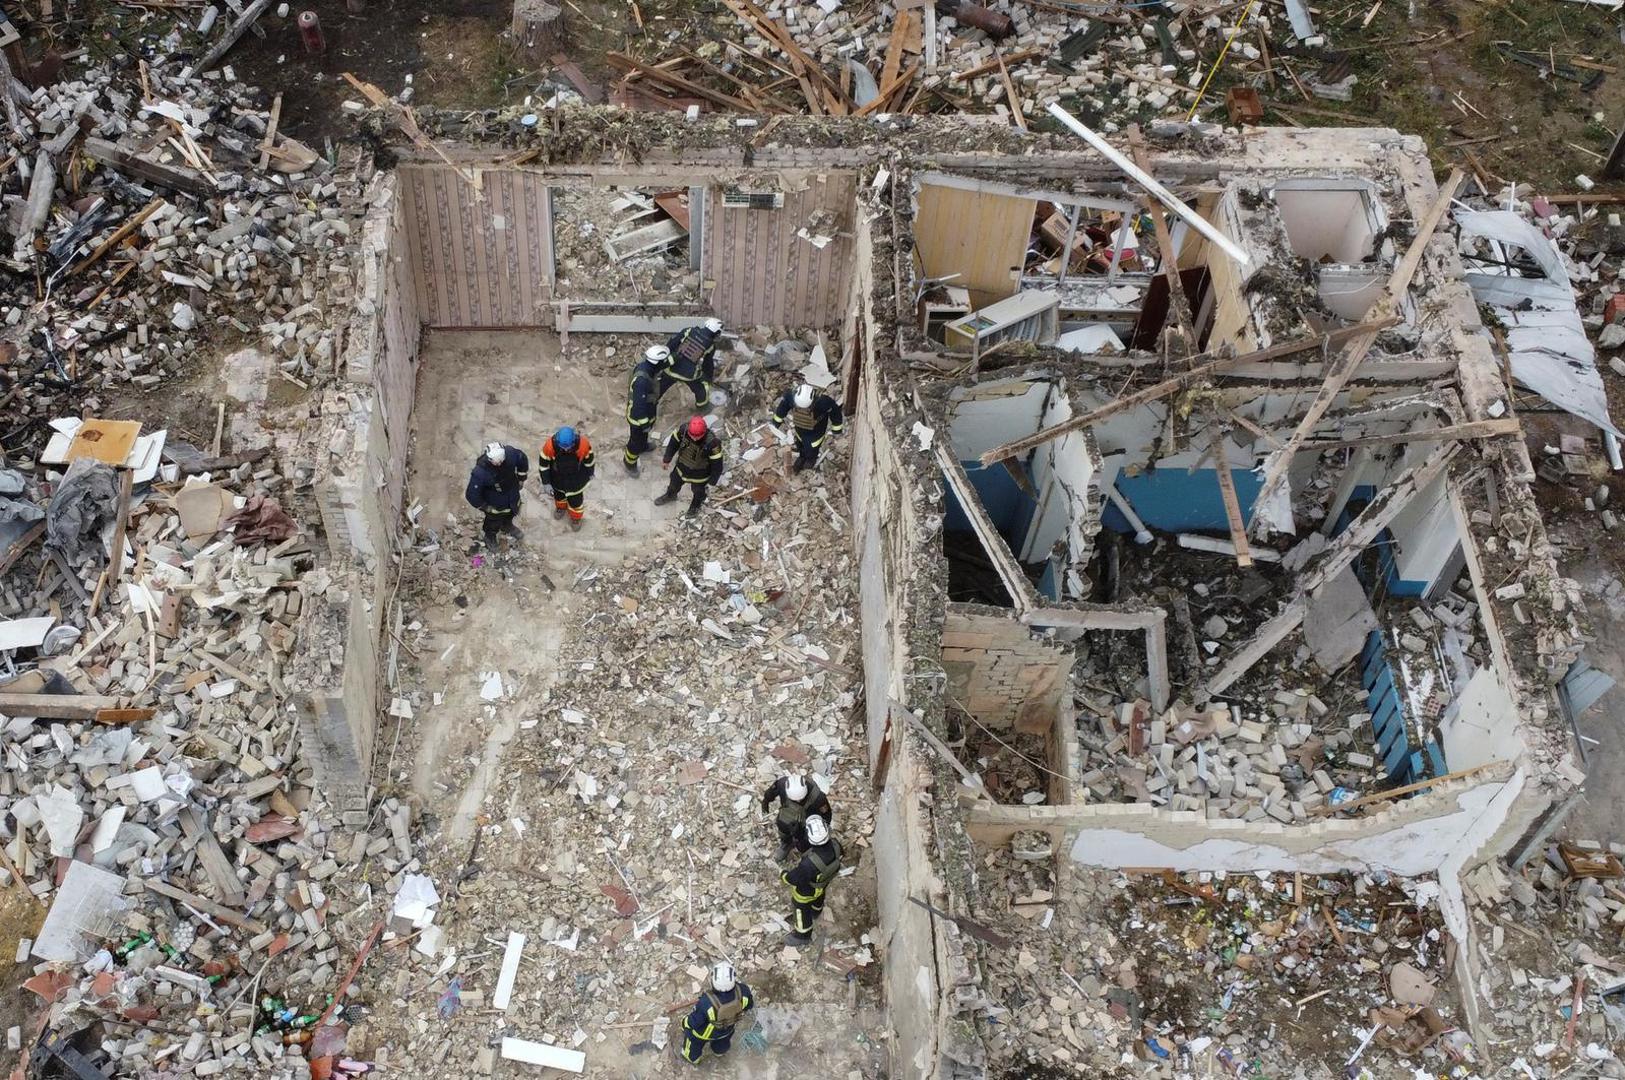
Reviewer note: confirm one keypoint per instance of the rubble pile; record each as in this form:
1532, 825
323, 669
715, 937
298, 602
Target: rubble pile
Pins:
623, 838
154, 758
1551, 968
160, 214
1215, 974
1285, 762
620, 245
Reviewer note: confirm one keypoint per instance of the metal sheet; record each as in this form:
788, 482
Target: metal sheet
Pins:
1549, 350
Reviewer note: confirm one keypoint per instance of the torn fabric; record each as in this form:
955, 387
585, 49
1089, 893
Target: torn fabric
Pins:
86, 498
1550, 352
261, 519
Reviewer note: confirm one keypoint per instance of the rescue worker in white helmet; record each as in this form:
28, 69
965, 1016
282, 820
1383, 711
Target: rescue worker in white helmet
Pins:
642, 400
693, 360
798, 797
815, 415
710, 1024
810, 878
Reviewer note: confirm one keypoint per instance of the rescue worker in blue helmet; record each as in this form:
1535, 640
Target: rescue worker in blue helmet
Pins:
566, 466
494, 486
710, 1025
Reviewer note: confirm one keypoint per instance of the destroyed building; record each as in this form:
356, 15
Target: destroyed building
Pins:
1195, 537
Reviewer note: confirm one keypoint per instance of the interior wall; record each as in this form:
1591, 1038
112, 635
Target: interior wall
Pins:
1064, 472
1425, 538
980, 236
1232, 318
1328, 219
481, 256
759, 272
1000, 671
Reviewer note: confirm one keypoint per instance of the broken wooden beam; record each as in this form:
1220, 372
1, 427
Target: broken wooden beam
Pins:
57, 706
1472, 429
233, 32
205, 905
677, 82
1227, 492
177, 179
1339, 373
130, 225
1337, 556
1206, 365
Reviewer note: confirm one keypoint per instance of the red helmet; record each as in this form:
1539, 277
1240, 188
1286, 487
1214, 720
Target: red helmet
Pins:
696, 427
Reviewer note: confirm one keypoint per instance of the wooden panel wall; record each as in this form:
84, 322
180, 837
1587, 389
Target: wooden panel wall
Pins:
979, 236
761, 273
479, 259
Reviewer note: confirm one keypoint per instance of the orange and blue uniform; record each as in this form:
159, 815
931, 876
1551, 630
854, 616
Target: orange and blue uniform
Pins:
568, 472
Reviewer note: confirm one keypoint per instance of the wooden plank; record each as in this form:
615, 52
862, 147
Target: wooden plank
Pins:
1406, 789
893, 65
994, 64
677, 82
1339, 374
589, 90
1178, 303
1010, 91
809, 68
130, 225
887, 98
20, 546
979, 235
124, 716
270, 133
1204, 368
187, 180
214, 860
56, 706
1227, 491
121, 523
675, 204
208, 907
1472, 429
1337, 556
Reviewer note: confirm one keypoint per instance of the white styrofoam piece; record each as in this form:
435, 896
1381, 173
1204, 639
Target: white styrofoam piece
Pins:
24, 633
537, 1053
510, 970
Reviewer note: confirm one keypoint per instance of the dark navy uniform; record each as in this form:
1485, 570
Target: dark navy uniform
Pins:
494, 490
812, 424
699, 464
568, 473
693, 362
792, 817
808, 880
642, 399
711, 1024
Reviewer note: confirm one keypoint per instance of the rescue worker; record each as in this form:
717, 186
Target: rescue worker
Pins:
566, 466
798, 797
815, 416
642, 400
494, 486
809, 878
710, 1026
693, 360
699, 461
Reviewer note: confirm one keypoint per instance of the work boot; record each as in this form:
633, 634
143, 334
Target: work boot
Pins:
558, 511
663, 499
797, 941
514, 531
575, 524
784, 849
692, 511
631, 466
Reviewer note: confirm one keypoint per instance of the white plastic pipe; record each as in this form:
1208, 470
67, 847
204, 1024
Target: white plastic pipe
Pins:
1147, 181
1142, 535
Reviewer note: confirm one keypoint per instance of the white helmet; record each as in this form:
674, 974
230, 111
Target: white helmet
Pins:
714, 325
804, 396
494, 453
657, 354
817, 829
795, 786
722, 977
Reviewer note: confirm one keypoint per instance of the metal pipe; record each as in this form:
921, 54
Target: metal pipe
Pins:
1151, 185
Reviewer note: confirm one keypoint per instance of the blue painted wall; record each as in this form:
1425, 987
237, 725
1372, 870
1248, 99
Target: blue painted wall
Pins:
1174, 500
1006, 504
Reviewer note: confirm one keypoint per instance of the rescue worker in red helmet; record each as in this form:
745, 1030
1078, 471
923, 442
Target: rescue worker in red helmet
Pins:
698, 453
566, 465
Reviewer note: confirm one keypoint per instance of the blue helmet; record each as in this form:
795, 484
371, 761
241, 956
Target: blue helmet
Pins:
565, 439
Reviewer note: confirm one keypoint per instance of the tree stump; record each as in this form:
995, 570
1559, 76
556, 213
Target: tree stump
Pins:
538, 27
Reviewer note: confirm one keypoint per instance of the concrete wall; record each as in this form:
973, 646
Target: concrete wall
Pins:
1412, 836
360, 482
1001, 671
